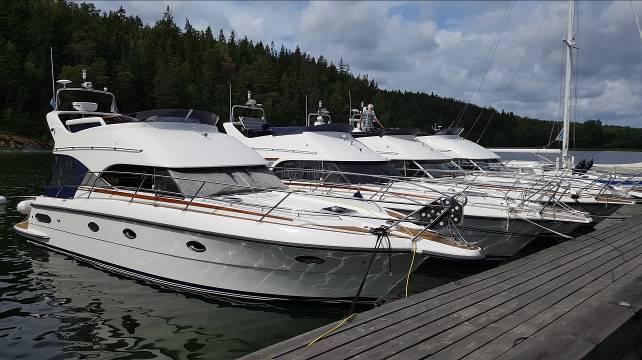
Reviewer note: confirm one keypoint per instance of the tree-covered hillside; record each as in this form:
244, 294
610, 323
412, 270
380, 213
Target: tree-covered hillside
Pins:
165, 65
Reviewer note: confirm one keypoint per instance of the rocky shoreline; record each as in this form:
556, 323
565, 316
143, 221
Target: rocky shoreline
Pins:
23, 143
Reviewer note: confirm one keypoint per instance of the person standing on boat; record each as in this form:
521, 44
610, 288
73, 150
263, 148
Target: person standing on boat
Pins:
369, 118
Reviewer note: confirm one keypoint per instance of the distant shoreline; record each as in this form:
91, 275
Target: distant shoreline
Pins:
19, 143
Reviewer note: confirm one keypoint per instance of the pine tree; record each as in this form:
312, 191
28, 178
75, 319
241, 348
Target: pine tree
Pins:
232, 39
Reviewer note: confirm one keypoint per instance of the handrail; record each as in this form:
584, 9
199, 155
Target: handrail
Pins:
194, 197
274, 207
106, 148
98, 175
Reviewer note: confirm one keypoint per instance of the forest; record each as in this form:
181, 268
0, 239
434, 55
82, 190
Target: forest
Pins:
165, 65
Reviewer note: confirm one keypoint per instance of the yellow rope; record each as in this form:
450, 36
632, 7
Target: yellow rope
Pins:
333, 329
412, 262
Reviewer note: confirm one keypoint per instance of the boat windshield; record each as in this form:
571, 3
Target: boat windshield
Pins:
439, 169
190, 116
337, 172
225, 181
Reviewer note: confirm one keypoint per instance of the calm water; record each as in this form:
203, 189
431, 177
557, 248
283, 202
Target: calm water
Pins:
52, 307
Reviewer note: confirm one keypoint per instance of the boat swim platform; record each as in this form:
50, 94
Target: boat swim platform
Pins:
581, 299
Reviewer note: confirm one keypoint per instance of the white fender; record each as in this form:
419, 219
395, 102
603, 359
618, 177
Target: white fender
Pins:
24, 207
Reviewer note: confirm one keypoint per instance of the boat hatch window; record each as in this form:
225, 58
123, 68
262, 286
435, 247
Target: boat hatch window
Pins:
224, 181
79, 127
108, 119
337, 172
440, 169
43, 218
339, 210
138, 178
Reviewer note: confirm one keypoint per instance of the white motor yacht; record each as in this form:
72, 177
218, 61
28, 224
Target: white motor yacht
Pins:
328, 159
414, 158
164, 197
593, 194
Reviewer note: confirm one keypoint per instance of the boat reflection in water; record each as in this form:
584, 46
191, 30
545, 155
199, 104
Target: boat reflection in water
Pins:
62, 309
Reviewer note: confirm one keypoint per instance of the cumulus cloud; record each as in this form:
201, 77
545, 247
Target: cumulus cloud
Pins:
443, 46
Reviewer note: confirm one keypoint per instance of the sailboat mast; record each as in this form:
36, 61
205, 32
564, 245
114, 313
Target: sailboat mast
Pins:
570, 44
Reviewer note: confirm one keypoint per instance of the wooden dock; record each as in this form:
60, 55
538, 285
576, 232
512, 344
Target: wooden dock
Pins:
578, 299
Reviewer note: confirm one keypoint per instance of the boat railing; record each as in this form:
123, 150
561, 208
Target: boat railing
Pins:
92, 181
384, 182
572, 183
547, 199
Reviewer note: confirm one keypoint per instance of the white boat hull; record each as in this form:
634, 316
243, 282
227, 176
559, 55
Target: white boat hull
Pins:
598, 211
499, 239
229, 267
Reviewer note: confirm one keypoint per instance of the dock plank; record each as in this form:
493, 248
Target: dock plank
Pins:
363, 336
576, 333
505, 312
508, 340
498, 320
499, 300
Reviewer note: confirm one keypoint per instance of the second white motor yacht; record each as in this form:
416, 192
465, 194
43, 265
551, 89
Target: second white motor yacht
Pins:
328, 159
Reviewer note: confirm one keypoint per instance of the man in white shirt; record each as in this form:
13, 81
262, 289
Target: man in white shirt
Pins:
369, 118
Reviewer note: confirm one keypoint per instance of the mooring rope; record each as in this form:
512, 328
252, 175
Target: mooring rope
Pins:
382, 234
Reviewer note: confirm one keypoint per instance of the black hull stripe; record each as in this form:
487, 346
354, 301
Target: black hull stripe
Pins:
209, 233
186, 286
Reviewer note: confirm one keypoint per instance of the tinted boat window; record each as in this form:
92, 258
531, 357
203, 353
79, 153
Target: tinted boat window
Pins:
337, 172
466, 164
225, 181
491, 165
409, 168
66, 175
140, 178
441, 168
189, 182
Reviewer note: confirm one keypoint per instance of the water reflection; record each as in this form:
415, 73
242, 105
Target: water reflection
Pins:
92, 313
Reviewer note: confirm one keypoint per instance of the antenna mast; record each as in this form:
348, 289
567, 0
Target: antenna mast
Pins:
570, 44
53, 79
349, 105
307, 118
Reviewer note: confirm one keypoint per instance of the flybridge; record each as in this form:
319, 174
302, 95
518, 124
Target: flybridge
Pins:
255, 124
84, 98
85, 107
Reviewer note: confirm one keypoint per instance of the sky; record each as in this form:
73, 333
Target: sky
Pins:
504, 54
